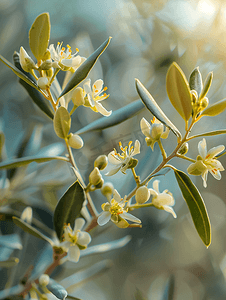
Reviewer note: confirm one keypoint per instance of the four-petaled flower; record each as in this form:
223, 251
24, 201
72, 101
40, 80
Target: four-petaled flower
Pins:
63, 58
75, 240
207, 162
116, 212
162, 200
93, 96
123, 161
153, 132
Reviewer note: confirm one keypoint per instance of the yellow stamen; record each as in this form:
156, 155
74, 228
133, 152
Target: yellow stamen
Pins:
130, 143
153, 120
77, 49
105, 88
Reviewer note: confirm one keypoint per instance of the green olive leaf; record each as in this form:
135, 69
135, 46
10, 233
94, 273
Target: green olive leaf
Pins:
30, 229
206, 85
178, 91
68, 208
215, 109
20, 162
39, 35
82, 72
117, 117
34, 92
195, 81
153, 107
210, 133
19, 73
196, 206
62, 122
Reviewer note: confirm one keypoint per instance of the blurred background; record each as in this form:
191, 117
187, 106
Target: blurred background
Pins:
147, 36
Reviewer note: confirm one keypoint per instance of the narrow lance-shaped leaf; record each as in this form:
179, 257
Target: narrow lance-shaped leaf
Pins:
19, 73
117, 117
2, 142
215, 109
30, 229
68, 208
153, 107
62, 122
39, 35
20, 162
34, 92
9, 263
57, 289
77, 278
178, 91
195, 81
196, 206
106, 246
206, 85
82, 72
210, 133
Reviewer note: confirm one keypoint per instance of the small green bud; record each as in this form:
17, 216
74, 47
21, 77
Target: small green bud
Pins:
43, 83
75, 141
95, 177
132, 163
44, 280
204, 103
107, 189
101, 162
49, 73
47, 55
183, 149
100, 184
142, 194
46, 65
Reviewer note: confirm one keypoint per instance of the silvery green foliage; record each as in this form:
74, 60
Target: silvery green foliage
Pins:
47, 177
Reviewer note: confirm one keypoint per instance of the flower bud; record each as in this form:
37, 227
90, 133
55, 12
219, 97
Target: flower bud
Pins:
107, 189
78, 96
26, 61
43, 83
44, 279
75, 141
100, 184
142, 194
183, 149
132, 163
46, 65
101, 162
204, 102
95, 177
47, 55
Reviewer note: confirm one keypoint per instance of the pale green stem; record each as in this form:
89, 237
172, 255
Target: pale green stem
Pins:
137, 178
135, 206
162, 149
185, 157
54, 75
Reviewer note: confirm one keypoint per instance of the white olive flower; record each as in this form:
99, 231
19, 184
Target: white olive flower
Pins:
153, 132
63, 58
207, 162
123, 161
93, 96
26, 61
75, 240
162, 200
114, 210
